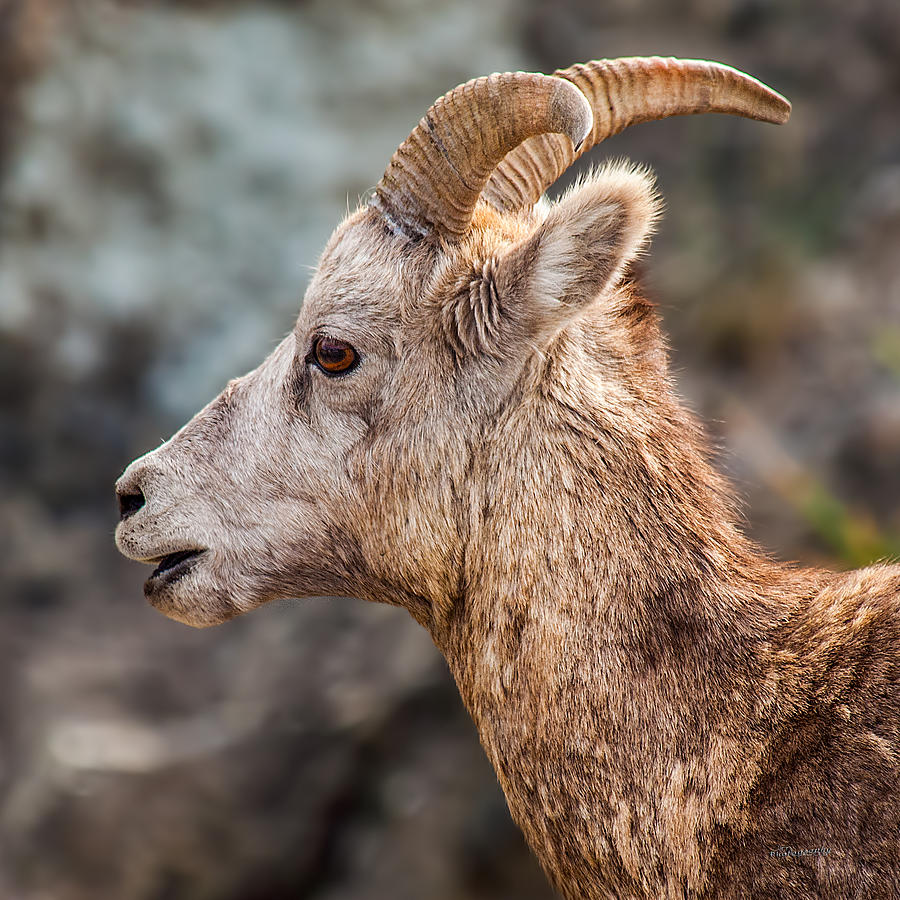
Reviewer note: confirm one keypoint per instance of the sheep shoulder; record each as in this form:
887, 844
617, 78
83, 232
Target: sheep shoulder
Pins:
825, 816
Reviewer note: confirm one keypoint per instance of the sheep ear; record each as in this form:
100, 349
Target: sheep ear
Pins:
579, 252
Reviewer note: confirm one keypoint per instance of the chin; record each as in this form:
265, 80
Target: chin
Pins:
201, 614
189, 597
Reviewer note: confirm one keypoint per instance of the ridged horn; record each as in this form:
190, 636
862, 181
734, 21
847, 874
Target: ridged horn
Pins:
435, 178
623, 92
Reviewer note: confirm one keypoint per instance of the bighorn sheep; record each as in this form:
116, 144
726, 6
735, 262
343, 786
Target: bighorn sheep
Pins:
473, 419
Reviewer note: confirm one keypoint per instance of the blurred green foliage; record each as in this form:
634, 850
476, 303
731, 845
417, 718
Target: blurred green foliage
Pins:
886, 350
851, 535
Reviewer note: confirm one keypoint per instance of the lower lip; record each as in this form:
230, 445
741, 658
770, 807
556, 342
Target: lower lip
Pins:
169, 576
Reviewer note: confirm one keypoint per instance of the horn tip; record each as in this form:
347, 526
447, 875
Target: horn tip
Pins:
573, 113
777, 109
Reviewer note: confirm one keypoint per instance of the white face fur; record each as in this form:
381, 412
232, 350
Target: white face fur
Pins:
339, 465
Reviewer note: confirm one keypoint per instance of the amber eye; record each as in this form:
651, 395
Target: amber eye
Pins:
332, 356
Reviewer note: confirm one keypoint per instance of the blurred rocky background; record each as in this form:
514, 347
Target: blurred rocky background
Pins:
168, 174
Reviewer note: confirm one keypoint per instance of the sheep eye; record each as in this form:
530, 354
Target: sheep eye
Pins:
334, 357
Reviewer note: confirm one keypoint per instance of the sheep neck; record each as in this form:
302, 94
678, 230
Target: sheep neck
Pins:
613, 642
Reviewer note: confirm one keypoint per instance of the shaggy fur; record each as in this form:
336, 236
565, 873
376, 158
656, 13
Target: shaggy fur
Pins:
670, 713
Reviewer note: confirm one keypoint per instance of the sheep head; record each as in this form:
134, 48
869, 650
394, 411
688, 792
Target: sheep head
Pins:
357, 459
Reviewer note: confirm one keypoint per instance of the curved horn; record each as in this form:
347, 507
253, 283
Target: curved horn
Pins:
623, 92
435, 178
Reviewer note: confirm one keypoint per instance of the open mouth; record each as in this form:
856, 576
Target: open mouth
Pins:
172, 566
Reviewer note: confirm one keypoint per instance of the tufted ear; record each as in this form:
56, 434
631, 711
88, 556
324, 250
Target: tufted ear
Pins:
579, 252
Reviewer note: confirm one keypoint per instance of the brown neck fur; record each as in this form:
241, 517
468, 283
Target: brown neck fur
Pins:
626, 644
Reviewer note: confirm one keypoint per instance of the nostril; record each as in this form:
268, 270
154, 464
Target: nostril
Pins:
130, 503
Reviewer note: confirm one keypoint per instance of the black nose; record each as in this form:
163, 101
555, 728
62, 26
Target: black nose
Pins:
130, 502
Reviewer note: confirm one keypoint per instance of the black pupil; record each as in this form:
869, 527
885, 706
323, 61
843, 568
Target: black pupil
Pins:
334, 354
